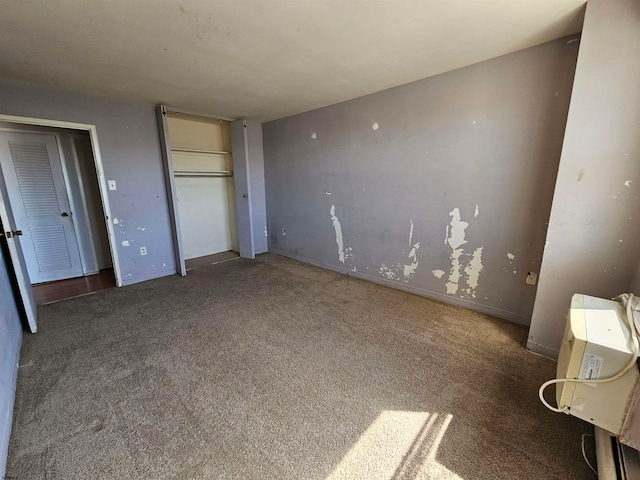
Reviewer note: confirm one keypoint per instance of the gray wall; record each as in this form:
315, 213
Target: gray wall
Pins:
130, 148
592, 243
375, 185
10, 340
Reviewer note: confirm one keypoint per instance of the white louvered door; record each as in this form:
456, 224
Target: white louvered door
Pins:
38, 197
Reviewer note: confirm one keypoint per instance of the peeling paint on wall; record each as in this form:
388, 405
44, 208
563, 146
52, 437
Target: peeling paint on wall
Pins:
628, 183
455, 230
125, 243
405, 267
477, 212
338, 228
454, 274
510, 256
375, 126
438, 273
455, 239
314, 136
116, 221
473, 270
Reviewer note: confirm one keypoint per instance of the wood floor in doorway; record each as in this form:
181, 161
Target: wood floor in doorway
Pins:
51, 292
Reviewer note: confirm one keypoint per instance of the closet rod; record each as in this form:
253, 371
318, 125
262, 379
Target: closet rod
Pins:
197, 150
187, 173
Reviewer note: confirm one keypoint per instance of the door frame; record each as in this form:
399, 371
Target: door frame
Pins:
102, 181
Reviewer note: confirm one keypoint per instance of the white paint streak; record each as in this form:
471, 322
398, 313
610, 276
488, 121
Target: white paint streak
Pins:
328, 193
411, 232
338, 229
455, 234
438, 273
284, 232
125, 243
314, 136
477, 212
628, 183
510, 256
375, 126
265, 230
142, 229
572, 40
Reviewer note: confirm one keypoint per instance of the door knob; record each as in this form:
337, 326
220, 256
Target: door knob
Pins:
64, 214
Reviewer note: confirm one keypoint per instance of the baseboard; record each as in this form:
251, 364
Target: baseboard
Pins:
542, 350
460, 302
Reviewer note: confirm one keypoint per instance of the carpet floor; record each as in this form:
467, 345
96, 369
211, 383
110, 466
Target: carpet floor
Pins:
273, 369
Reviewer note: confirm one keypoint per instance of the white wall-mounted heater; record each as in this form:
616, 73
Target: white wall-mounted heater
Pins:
598, 379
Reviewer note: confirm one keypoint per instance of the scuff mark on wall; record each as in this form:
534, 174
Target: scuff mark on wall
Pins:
375, 126
314, 136
338, 228
328, 193
284, 232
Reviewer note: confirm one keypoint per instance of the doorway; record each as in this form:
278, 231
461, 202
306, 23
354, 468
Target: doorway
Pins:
203, 176
52, 191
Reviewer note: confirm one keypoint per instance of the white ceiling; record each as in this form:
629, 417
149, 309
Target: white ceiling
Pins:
262, 59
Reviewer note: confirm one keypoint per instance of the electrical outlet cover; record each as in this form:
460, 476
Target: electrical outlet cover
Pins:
532, 278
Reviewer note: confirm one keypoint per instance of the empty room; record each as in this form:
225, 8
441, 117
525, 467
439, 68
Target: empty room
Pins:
339, 239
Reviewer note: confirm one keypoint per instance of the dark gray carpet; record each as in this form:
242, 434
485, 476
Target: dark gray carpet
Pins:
276, 369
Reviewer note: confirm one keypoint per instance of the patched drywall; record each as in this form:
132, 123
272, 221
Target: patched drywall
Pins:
130, 149
592, 241
427, 187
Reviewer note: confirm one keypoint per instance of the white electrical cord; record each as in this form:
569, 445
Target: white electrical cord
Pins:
584, 454
632, 304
